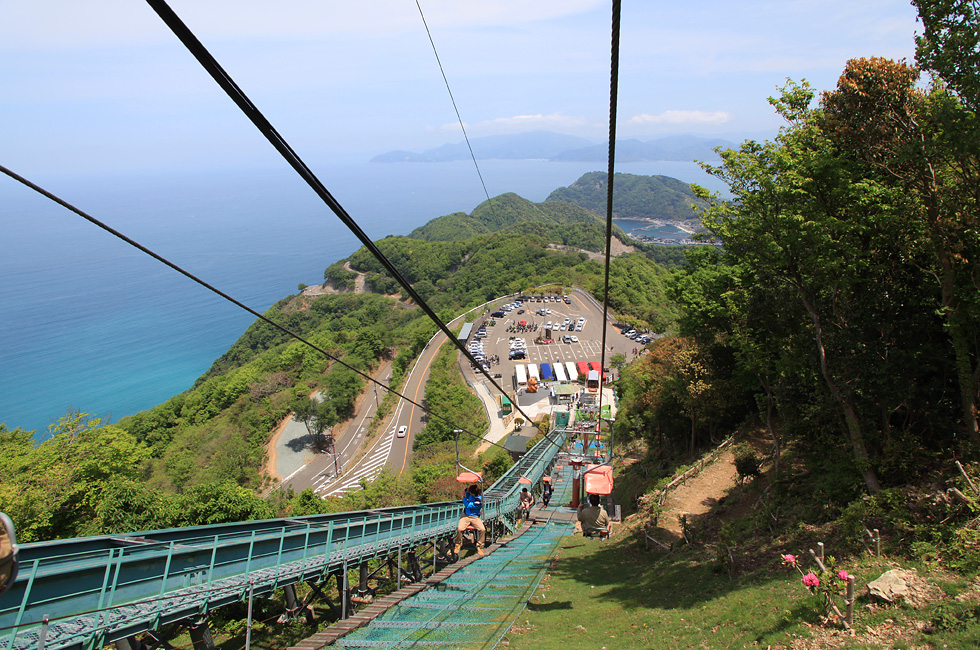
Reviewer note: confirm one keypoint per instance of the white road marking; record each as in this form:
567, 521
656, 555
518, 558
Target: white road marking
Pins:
370, 464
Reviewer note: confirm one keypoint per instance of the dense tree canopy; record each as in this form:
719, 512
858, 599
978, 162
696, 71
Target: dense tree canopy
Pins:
843, 305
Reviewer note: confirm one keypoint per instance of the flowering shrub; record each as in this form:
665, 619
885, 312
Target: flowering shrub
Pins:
830, 583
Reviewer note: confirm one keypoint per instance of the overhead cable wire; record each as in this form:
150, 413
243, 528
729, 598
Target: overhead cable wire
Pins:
209, 287
613, 105
237, 95
456, 108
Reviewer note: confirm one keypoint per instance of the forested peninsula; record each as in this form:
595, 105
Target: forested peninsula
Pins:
198, 457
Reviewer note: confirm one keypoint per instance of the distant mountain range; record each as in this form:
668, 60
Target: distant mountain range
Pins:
546, 145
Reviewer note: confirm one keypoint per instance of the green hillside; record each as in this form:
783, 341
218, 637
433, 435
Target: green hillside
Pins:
198, 457
510, 213
634, 197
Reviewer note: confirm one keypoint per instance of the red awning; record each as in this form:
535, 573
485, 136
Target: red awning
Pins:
522, 322
599, 480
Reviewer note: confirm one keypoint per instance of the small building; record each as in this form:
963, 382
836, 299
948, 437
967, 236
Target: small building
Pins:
565, 393
516, 443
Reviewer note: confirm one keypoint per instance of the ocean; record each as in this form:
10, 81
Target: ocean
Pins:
91, 324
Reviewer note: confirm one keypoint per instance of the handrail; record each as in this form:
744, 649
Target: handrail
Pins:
96, 590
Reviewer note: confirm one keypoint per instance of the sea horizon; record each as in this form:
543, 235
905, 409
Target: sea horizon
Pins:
92, 324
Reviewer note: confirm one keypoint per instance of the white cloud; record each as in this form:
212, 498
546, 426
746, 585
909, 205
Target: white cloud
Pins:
693, 118
521, 123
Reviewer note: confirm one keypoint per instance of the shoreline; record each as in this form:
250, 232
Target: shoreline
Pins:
680, 225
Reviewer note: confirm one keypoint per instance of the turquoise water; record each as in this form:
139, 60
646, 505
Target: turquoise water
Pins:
89, 323
636, 227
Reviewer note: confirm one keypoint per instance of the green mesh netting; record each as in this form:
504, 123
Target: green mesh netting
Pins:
476, 606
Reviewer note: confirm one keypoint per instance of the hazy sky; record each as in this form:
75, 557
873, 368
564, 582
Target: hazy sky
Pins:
92, 85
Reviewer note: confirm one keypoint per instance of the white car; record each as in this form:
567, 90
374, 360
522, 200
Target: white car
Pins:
402, 430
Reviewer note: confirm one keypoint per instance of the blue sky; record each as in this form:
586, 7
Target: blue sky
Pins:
102, 85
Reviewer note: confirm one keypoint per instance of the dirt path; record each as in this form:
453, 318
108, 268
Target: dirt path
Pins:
359, 281
699, 494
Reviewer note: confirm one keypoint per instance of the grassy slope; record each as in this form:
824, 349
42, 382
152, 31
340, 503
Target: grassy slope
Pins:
616, 594
625, 597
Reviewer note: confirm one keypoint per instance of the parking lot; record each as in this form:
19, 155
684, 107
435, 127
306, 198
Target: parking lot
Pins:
497, 343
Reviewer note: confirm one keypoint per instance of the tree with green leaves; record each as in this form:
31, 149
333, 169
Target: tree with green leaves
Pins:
950, 45
805, 217
924, 144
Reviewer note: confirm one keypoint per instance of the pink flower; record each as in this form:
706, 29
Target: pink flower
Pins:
843, 575
789, 559
811, 580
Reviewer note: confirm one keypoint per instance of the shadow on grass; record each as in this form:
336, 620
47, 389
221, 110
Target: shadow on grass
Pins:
548, 607
636, 578
764, 605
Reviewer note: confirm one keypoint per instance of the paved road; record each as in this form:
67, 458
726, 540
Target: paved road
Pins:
305, 469
389, 450
386, 449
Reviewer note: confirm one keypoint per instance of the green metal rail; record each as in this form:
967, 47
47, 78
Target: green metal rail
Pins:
87, 592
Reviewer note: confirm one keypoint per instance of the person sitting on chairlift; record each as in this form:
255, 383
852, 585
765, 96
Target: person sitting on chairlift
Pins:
594, 519
527, 500
472, 510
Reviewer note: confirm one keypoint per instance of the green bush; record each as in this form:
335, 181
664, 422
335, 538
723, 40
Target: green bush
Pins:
747, 463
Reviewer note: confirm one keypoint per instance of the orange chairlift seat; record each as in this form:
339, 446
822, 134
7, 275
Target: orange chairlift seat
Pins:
599, 479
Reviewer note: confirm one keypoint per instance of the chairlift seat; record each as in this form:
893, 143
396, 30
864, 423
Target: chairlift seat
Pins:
599, 479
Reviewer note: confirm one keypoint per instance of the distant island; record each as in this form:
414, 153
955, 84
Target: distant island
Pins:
557, 147
659, 200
